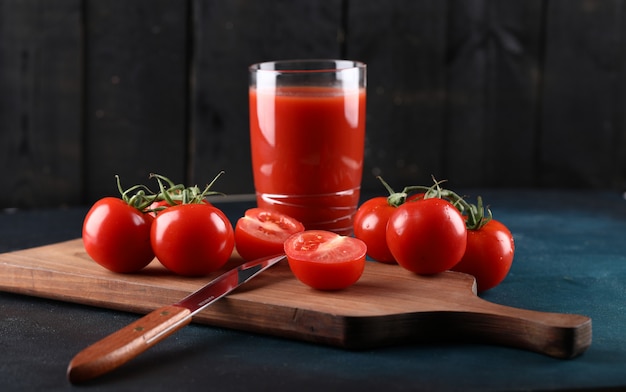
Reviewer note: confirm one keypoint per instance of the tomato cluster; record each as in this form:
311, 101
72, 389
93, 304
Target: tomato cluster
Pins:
187, 234
191, 237
426, 230
435, 230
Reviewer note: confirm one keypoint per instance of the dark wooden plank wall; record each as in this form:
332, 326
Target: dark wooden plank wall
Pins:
479, 92
41, 133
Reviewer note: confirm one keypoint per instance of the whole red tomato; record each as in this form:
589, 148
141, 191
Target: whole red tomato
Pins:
370, 226
489, 254
324, 260
371, 218
117, 236
262, 232
192, 239
427, 236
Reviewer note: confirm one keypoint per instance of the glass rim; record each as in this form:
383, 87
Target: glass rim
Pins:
306, 66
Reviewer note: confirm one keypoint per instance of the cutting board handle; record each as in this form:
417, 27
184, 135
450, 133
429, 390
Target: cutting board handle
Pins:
558, 335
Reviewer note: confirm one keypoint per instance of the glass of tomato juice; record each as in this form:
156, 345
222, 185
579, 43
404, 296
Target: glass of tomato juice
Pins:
307, 135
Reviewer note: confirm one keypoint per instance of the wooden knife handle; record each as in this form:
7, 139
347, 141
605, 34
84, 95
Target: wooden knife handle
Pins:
128, 342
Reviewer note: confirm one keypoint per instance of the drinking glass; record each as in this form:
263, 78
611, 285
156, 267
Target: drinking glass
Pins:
307, 132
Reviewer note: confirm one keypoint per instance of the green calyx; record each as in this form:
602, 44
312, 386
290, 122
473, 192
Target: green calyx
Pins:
141, 197
137, 196
179, 194
476, 215
394, 199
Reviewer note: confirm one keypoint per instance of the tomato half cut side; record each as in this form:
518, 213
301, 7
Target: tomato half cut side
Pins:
325, 260
262, 232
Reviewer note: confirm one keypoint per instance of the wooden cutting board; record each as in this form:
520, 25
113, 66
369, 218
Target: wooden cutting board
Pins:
387, 306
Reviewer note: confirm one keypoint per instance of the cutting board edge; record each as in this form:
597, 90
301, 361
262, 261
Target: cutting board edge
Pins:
28, 280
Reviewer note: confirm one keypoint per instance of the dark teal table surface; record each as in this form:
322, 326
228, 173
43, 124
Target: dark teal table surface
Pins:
570, 258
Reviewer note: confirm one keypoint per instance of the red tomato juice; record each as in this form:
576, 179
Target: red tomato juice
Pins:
307, 153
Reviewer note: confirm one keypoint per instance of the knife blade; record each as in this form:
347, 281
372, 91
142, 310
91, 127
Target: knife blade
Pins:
125, 344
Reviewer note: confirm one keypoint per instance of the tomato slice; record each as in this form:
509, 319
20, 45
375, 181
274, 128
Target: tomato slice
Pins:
325, 260
261, 232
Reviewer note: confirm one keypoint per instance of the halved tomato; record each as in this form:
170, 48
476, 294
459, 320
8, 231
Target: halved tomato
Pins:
325, 260
261, 232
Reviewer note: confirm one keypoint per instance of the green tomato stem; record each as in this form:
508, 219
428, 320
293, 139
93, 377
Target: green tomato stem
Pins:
141, 197
476, 215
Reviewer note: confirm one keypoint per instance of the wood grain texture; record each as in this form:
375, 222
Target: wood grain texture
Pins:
387, 306
126, 343
582, 135
493, 78
136, 77
40, 102
406, 91
482, 93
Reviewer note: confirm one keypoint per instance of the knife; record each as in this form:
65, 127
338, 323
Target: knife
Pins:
118, 348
